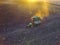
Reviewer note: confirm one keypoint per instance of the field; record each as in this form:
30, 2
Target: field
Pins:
13, 21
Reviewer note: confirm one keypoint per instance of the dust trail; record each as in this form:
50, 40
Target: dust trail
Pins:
44, 11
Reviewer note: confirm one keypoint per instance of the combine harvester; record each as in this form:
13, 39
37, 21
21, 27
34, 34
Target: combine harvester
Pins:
35, 22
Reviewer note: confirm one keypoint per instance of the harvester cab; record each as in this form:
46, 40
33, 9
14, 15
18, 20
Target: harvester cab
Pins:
36, 20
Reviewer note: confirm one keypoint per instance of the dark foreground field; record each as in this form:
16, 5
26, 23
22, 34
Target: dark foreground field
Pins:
13, 31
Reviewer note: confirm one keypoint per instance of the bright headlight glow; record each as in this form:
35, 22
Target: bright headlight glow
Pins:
31, 0
41, 6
